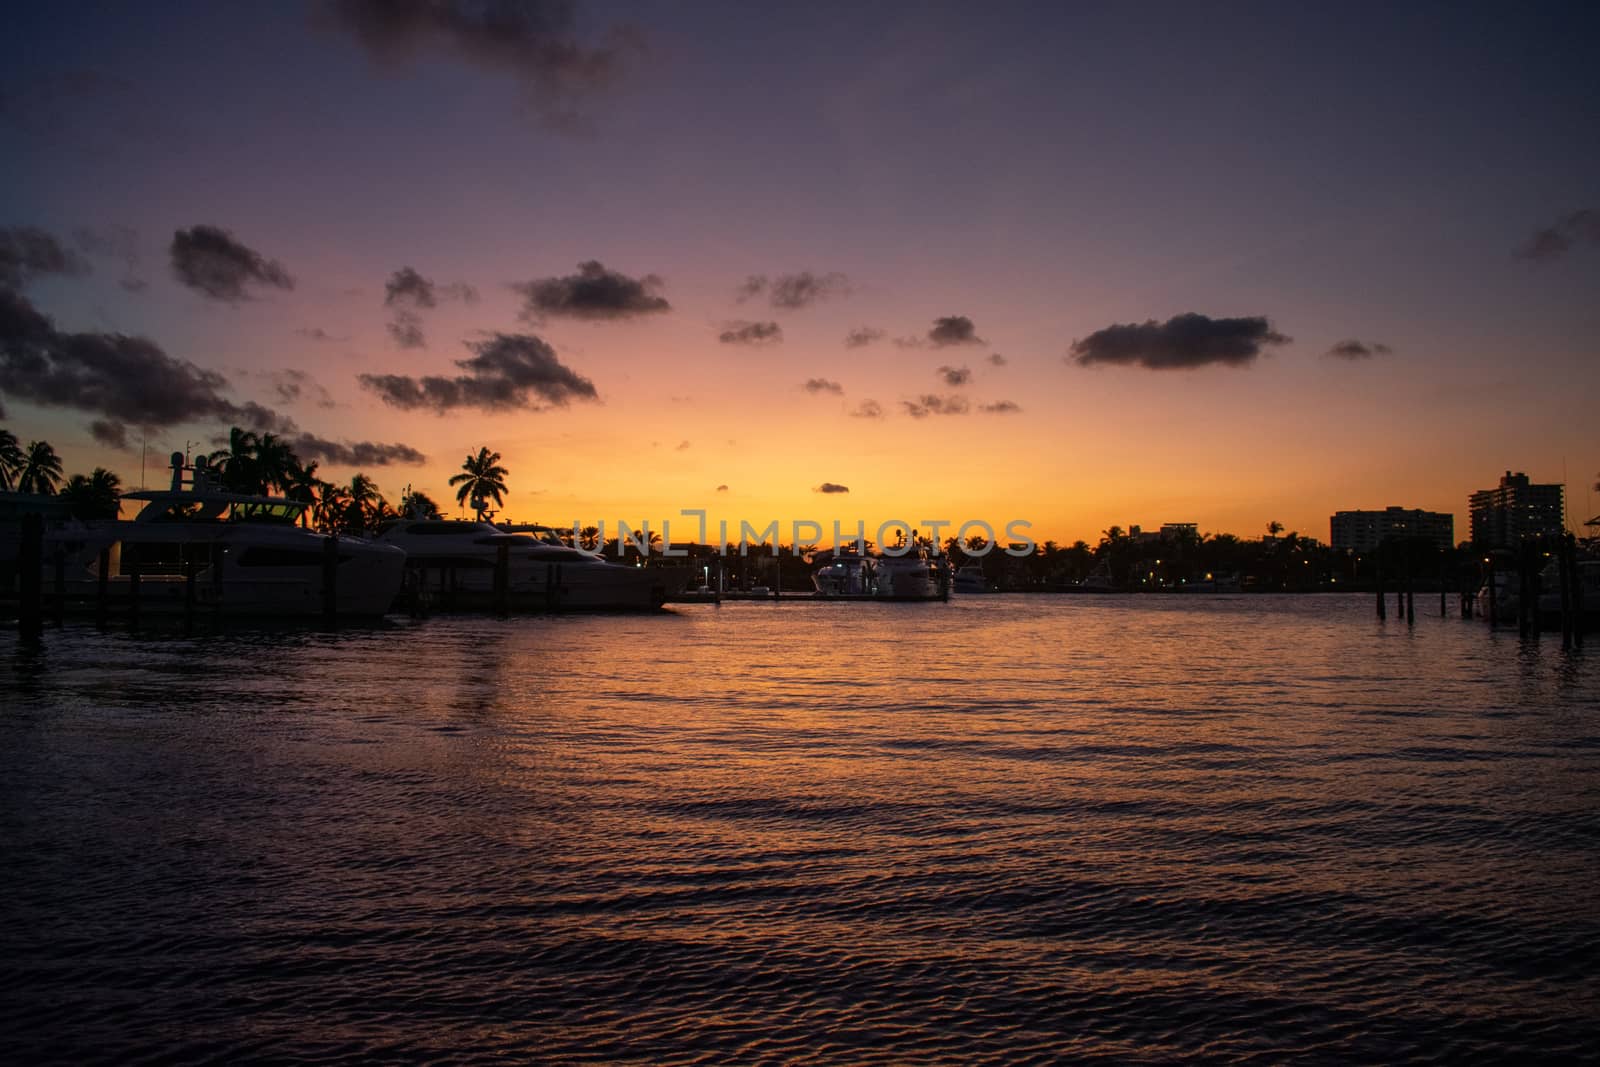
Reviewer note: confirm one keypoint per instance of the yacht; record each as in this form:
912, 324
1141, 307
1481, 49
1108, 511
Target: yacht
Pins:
196, 548
452, 563
970, 579
849, 575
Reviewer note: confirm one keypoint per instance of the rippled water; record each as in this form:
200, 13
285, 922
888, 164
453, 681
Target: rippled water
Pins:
1005, 829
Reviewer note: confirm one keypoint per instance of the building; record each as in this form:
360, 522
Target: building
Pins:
1363, 531
1503, 516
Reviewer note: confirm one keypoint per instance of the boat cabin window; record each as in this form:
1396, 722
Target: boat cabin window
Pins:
185, 511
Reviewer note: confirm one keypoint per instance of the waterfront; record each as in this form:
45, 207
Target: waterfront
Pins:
1004, 829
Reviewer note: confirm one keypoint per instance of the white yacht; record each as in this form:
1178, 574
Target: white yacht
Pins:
913, 576
452, 563
195, 548
970, 579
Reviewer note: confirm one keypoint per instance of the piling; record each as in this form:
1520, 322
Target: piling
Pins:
59, 566
190, 571
330, 577
102, 592
30, 566
1383, 610
1563, 571
502, 578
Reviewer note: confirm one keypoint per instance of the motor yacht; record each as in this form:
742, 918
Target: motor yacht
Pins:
970, 579
452, 563
197, 548
912, 576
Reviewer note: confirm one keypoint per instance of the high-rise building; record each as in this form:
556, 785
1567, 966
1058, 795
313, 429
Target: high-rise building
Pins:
1517, 508
1363, 531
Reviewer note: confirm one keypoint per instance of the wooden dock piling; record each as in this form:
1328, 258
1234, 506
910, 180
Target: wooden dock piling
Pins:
30, 578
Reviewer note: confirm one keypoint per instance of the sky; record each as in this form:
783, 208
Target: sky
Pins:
1079, 265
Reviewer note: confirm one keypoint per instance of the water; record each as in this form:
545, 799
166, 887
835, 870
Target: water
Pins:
1005, 830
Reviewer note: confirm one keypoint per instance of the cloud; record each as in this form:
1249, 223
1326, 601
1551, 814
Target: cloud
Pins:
823, 385
791, 292
868, 409
122, 378
408, 293
293, 386
211, 262
1553, 242
110, 433
592, 293
953, 330
535, 41
317, 333
722, 488
1353, 350
930, 404
955, 376
507, 372
353, 453
997, 359
406, 330
26, 252
862, 336
683, 446
751, 333
831, 487
1001, 407
1183, 341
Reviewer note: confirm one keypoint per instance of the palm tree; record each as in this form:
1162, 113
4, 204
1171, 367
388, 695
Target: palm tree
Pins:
482, 478
41, 470
330, 509
589, 538
363, 505
241, 472
95, 496
1274, 528
417, 504
275, 463
303, 486
11, 459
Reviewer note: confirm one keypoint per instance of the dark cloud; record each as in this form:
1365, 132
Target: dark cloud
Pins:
353, 453
751, 333
722, 488
930, 404
1001, 407
791, 292
507, 372
110, 433
868, 409
823, 385
27, 252
212, 262
408, 293
683, 446
406, 330
831, 487
124, 379
953, 330
862, 336
1183, 341
997, 359
1353, 350
1556, 240
592, 293
295, 386
535, 41
955, 376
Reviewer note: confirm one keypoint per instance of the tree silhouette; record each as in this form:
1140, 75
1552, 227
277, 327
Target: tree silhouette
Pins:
11, 459
41, 470
96, 496
416, 504
481, 478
